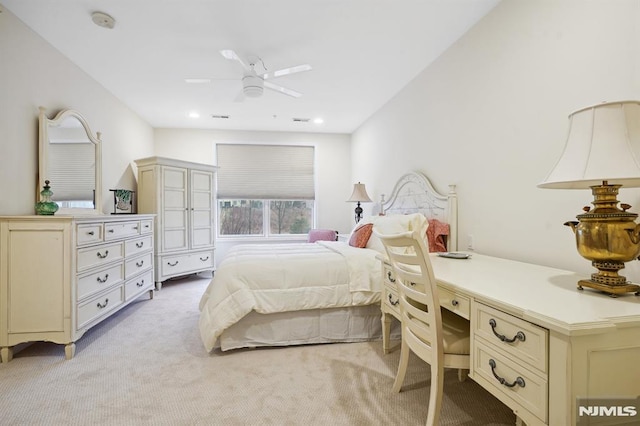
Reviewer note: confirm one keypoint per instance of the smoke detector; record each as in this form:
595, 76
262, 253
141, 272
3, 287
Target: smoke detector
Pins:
103, 20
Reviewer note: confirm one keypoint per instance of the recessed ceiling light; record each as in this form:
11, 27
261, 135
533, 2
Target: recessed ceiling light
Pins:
318, 120
300, 120
194, 114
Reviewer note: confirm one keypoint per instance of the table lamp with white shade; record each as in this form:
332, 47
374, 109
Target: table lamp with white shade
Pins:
602, 152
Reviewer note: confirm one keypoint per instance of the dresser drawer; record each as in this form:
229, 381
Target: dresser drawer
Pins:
94, 256
100, 280
113, 231
146, 226
137, 265
137, 246
180, 264
138, 285
89, 233
100, 305
456, 303
519, 338
497, 373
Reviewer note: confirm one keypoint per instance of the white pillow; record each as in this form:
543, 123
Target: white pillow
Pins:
392, 224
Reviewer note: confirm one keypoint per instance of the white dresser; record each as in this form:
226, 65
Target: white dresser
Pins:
61, 275
181, 194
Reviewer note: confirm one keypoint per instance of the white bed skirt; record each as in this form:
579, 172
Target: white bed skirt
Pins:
353, 324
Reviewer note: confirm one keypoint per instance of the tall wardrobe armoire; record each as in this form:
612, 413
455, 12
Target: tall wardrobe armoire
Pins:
181, 195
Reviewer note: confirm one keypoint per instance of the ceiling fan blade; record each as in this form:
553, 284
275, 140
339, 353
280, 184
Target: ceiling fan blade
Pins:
287, 71
197, 80
280, 89
232, 55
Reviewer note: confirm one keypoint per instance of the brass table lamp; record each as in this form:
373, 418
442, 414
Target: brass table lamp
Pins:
602, 152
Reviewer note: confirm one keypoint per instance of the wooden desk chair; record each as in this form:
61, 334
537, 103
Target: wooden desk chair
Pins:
437, 336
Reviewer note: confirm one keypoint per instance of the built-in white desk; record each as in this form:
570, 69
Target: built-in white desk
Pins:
567, 343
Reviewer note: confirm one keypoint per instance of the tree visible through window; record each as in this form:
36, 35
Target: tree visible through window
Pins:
247, 217
265, 190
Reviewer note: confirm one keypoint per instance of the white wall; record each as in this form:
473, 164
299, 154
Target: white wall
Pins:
33, 74
332, 166
490, 115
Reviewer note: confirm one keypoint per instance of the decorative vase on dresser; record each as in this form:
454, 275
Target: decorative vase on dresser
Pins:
181, 195
61, 275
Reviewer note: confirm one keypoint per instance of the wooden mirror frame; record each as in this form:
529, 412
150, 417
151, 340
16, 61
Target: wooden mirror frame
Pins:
43, 157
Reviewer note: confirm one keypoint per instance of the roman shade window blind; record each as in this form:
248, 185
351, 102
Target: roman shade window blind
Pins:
267, 172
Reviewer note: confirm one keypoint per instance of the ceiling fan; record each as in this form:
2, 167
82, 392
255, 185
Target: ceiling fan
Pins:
253, 84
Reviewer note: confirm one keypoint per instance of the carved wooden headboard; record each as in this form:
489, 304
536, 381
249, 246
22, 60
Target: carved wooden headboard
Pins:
413, 193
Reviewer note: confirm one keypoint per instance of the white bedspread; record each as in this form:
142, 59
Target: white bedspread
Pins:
269, 278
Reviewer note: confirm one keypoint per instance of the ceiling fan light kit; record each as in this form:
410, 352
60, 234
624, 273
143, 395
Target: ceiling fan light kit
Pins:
253, 84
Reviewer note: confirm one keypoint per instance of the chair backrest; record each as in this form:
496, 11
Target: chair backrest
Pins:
417, 290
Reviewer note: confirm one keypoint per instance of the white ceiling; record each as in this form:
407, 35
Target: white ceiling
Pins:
362, 53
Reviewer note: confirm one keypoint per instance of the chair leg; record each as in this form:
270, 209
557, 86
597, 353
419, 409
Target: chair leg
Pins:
435, 395
462, 374
402, 366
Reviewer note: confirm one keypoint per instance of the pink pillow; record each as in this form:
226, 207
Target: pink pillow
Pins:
322, 235
361, 235
437, 233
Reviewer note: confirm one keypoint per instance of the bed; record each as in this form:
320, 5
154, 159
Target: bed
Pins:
321, 292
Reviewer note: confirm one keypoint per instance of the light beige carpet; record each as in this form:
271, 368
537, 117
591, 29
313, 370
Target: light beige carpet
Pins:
147, 365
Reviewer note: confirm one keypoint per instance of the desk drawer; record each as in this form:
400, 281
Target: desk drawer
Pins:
456, 303
490, 366
530, 342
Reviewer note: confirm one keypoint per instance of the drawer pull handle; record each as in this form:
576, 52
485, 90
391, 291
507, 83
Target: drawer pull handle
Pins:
454, 302
103, 280
391, 279
172, 264
140, 284
139, 264
140, 244
90, 233
102, 256
101, 306
146, 226
519, 335
204, 259
111, 231
392, 302
135, 227
519, 381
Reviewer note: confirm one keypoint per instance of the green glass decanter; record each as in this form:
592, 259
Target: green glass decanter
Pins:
45, 206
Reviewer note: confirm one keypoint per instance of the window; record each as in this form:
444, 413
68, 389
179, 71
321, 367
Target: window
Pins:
265, 190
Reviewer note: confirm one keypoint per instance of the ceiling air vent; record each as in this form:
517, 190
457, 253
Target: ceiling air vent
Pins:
301, 120
220, 116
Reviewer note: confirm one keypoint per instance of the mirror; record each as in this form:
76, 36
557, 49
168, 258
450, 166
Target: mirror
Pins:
70, 159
